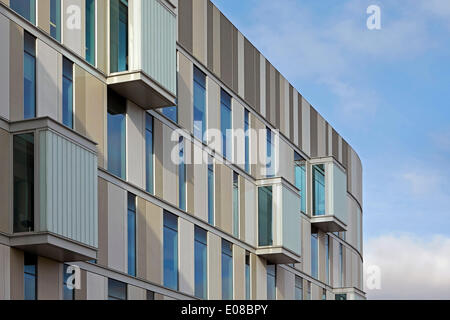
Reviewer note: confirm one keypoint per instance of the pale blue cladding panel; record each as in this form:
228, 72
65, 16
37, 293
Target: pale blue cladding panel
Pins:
339, 192
159, 44
291, 220
68, 189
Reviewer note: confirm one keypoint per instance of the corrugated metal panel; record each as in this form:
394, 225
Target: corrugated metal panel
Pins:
159, 43
68, 189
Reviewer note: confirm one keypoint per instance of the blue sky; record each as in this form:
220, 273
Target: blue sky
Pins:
387, 92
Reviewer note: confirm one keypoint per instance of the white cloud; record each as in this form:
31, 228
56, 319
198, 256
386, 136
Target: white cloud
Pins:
422, 183
411, 267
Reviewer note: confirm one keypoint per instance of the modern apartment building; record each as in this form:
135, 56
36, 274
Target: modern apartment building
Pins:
150, 151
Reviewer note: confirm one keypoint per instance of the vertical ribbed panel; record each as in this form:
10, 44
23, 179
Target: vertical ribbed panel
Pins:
159, 44
68, 189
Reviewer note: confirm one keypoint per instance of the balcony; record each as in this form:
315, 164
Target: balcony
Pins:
329, 210
145, 71
55, 212
279, 221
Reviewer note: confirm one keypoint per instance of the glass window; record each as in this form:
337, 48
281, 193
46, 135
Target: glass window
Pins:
117, 290
67, 112
117, 107
265, 216
30, 276
29, 76
170, 250
270, 166
182, 176
225, 123
150, 295
131, 225
90, 31
26, 8
201, 272
227, 270
247, 140
247, 276
298, 288
211, 192
308, 291
149, 152
271, 282
341, 296
300, 179
235, 204
319, 190
55, 19
23, 171
324, 294
341, 265
119, 35
171, 113
314, 255
68, 293
327, 258
199, 104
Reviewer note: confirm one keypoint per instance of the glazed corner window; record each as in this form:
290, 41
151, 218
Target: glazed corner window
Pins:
270, 161
149, 153
318, 190
225, 123
265, 216
117, 107
170, 246
29, 76
199, 104
271, 282
247, 276
182, 176
298, 288
201, 272
211, 192
300, 179
23, 171
131, 234
247, 139
55, 19
90, 31
30, 276
67, 112
227, 270
235, 204
26, 8
68, 293
314, 255
119, 35
117, 290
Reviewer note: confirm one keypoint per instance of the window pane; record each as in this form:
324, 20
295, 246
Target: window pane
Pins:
225, 123
23, 168
247, 140
170, 251
149, 152
298, 288
117, 290
211, 193
227, 270
300, 180
271, 282
90, 31
314, 255
182, 176
30, 274
116, 134
247, 276
68, 294
29, 73
131, 223
200, 263
235, 204
270, 166
170, 112
67, 93
199, 104
319, 190
55, 19
265, 216
26, 8
119, 35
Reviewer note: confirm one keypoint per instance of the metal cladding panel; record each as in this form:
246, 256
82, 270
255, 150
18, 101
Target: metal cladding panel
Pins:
338, 192
68, 184
159, 44
291, 220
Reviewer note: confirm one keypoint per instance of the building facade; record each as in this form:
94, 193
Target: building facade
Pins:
150, 151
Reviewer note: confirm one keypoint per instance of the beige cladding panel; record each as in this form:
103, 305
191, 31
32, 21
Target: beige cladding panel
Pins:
281, 106
306, 128
186, 256
238, 134
73, 35
185, 23
223, 199
285, 282
321, 136
213, 114
306, 246
16, 77
159, 157
190, 193
136, 293
5, 176
199, 15
102, 35
259, 278
200, 188
17, 280
239, 272
263, 83
102, 254
117, 222
97, 287
242, 205
250, 213
154, 245
226, 51
49, 280
185, 92
240, 64
141, 238
135, 124
170, 169
214, 267
4, 66
43, 15
217, 43
5, 272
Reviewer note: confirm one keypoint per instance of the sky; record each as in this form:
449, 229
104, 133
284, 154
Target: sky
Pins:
387, 92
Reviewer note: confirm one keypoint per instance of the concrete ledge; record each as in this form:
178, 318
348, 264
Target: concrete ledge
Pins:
278, 255
328, 223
